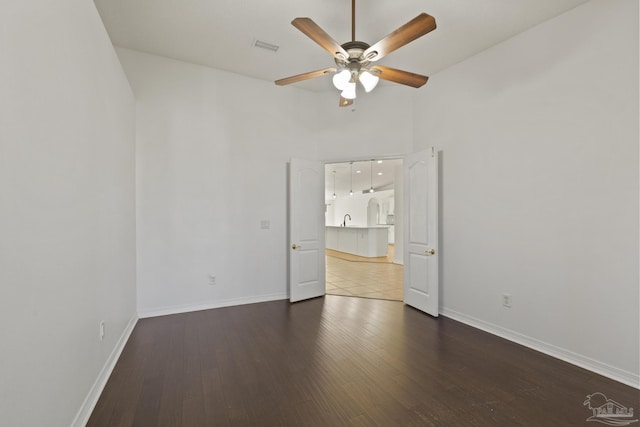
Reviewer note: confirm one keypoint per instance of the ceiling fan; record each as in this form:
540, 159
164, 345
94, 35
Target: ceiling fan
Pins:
354, 59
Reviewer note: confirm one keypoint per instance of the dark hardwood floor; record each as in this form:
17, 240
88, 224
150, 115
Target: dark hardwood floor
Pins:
337, 361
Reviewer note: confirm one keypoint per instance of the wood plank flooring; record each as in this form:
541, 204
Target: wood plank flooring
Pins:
337, 361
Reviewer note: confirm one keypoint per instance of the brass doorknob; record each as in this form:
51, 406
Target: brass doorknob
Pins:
430, 251
294, 246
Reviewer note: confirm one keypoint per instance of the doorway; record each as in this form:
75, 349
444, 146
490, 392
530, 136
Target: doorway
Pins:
418, 239
363, 219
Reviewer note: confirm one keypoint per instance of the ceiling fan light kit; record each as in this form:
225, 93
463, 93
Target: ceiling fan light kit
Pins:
341, 79
349, 92
354, 59
369, 81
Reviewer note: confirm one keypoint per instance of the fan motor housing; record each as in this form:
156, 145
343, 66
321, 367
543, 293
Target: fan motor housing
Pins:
355, 50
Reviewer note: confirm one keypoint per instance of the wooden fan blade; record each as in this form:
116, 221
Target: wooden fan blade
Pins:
344, 102
305, 76
399, 76
417, 27
318, 35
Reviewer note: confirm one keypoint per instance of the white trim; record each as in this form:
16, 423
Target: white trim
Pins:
82, 417
617, 374
186, 308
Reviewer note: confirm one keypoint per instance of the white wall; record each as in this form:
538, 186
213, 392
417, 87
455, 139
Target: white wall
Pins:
67, 208
539, 137
356, 207
381, 126
211, 147
212, 150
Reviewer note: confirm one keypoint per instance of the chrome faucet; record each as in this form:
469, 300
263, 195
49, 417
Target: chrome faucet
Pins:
344, 222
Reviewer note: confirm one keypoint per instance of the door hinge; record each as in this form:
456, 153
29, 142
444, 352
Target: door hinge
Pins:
433, 151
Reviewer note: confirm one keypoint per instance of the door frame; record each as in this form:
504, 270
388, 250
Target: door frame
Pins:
438, 214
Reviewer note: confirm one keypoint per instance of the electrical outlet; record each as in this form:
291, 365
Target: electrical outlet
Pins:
506, 300
212, 280
265, 224
101, 330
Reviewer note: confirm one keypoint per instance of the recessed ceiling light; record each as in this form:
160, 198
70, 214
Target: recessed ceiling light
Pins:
358, 171
379, 173
379, 161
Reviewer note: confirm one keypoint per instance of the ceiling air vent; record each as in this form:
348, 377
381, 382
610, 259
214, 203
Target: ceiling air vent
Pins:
265, 45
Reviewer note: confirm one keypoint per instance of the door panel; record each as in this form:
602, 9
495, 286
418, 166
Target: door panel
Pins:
306, 230
418, 203
421, 231
308, 260
419, 269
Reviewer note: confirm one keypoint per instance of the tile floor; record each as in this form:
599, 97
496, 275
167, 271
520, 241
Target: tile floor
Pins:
363, 277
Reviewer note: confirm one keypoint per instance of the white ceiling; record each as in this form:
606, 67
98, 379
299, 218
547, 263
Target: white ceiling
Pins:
220, 33
348, 177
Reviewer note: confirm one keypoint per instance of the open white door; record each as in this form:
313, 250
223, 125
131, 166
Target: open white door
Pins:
306, 230
421, 231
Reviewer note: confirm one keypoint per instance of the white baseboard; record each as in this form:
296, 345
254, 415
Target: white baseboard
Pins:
186, 308
620, 375
82, 417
